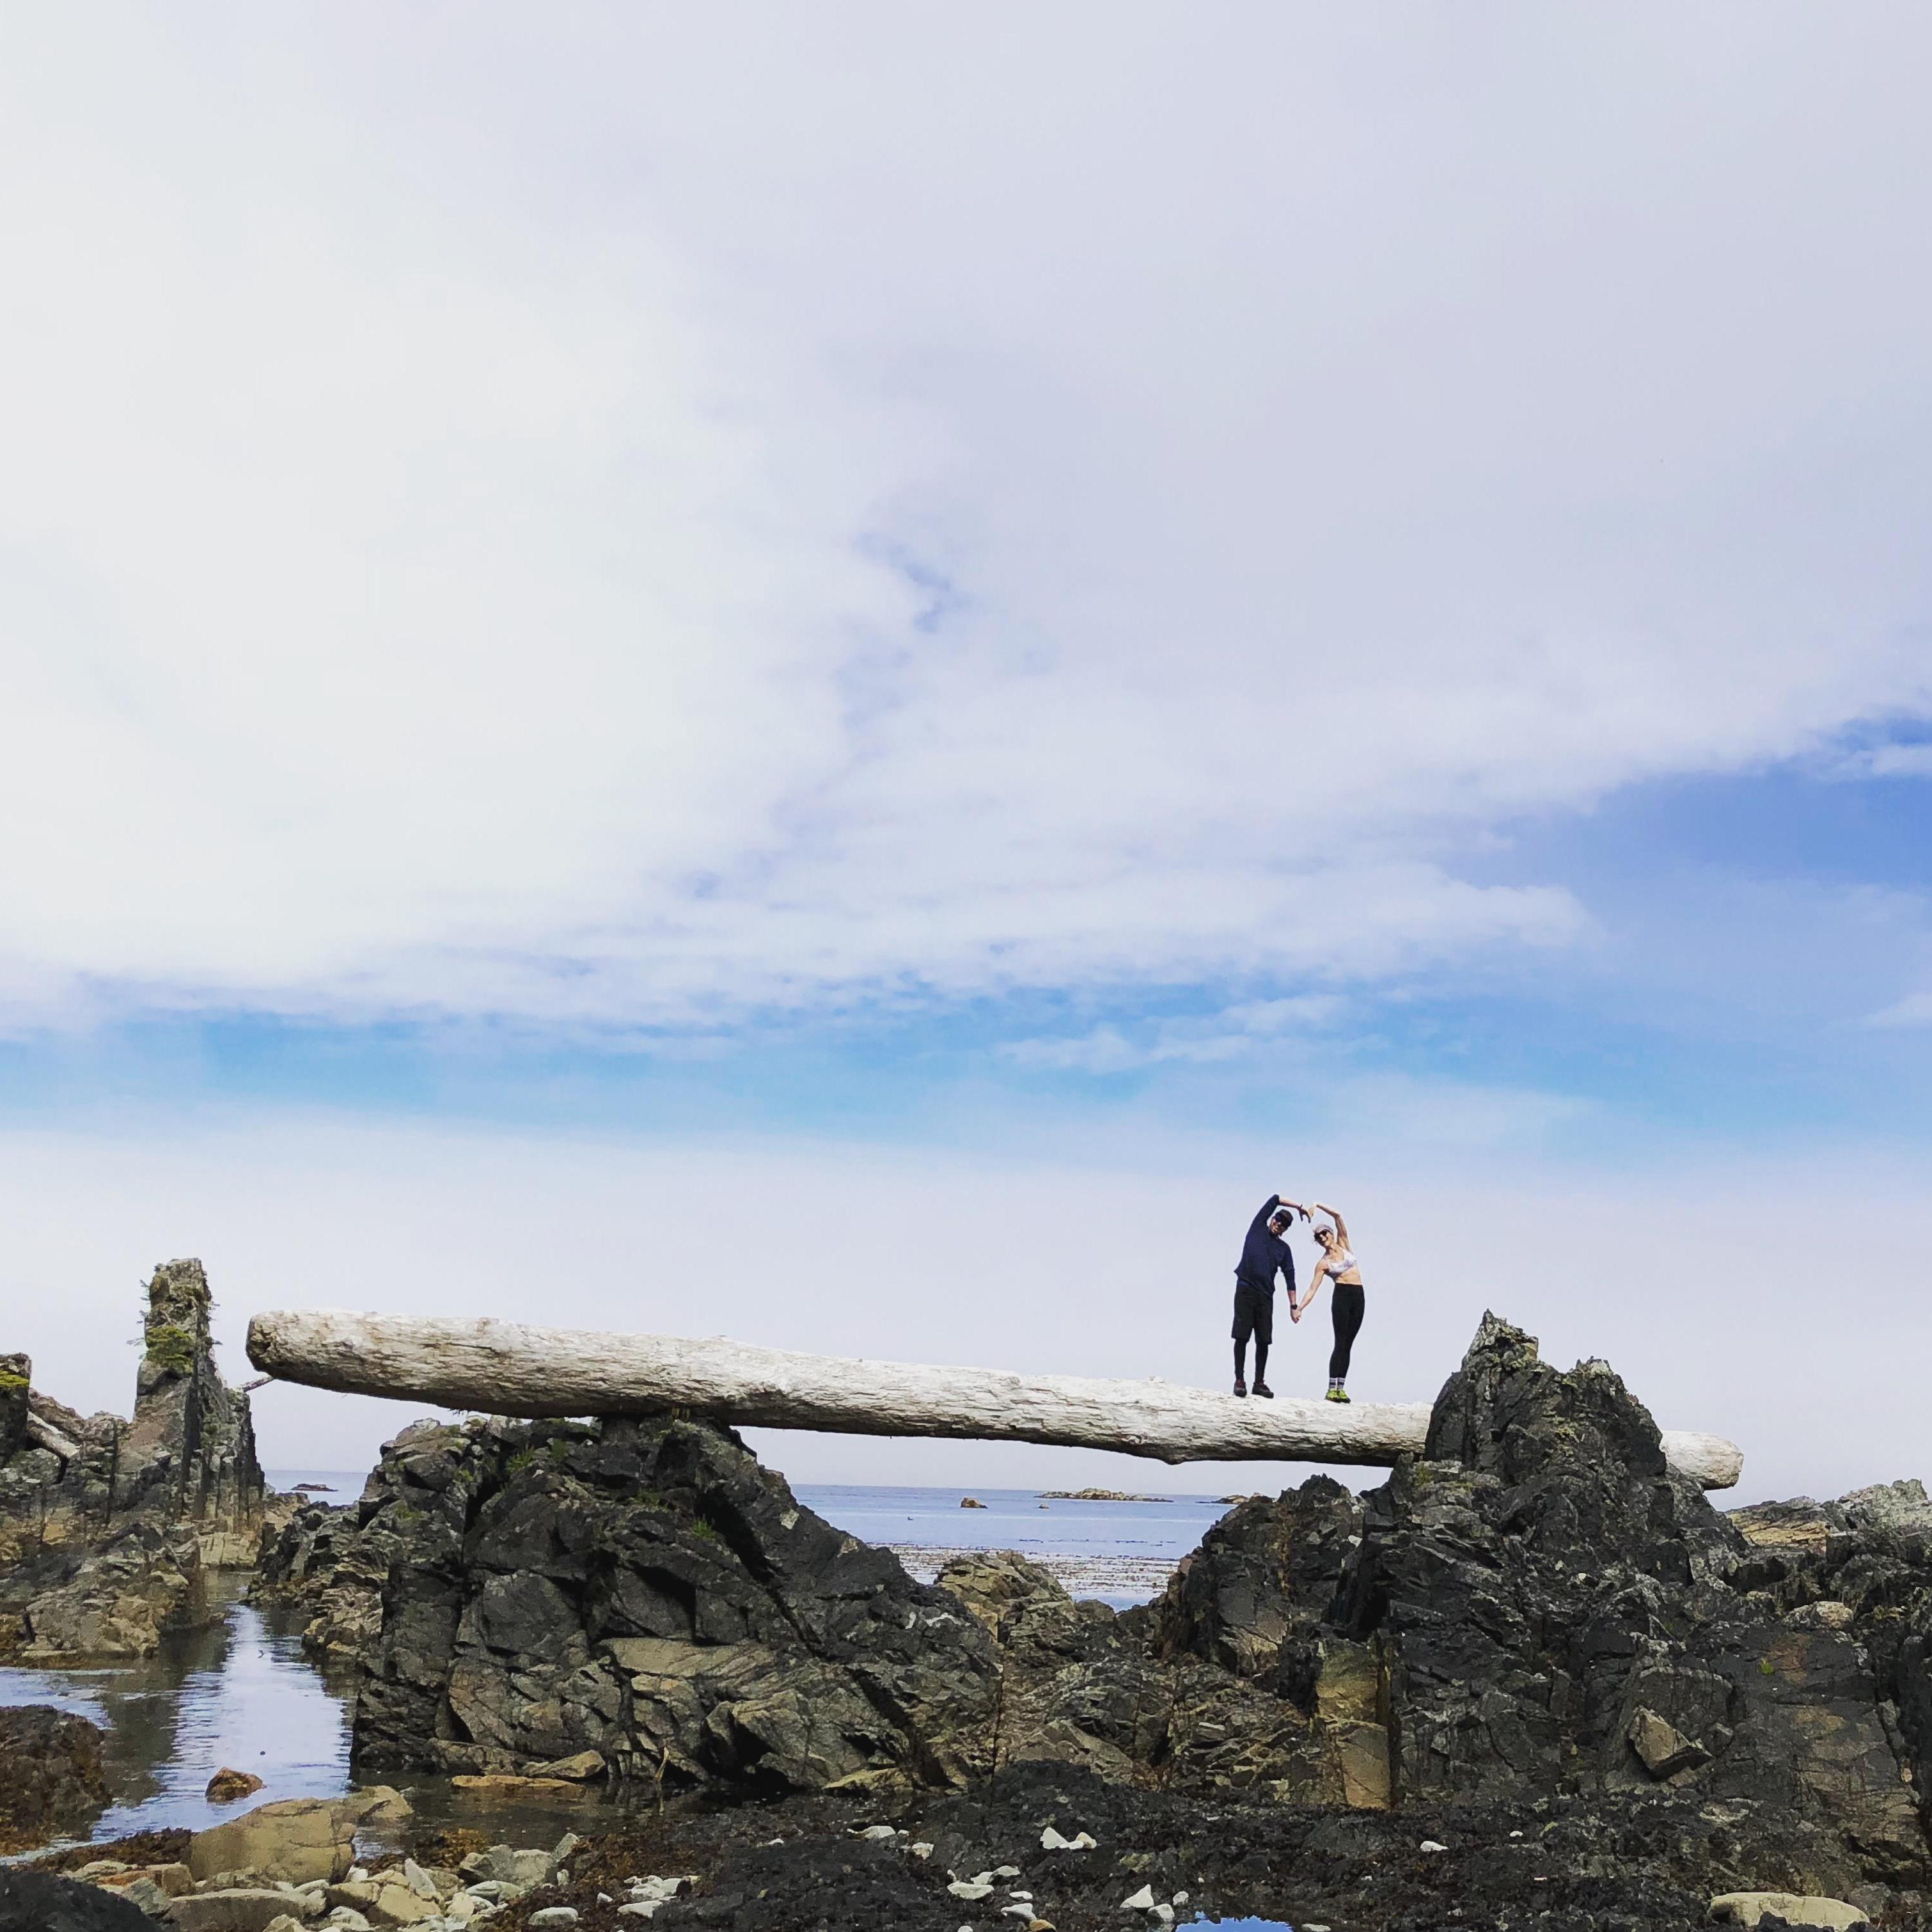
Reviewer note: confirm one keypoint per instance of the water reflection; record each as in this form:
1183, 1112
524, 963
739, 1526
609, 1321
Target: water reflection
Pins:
241, 1694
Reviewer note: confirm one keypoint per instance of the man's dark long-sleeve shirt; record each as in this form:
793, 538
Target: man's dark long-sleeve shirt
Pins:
1262, 1253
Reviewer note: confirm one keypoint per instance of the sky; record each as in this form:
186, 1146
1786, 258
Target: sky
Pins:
846, 676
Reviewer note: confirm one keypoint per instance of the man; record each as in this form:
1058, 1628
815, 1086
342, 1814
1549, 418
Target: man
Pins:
1262, 1253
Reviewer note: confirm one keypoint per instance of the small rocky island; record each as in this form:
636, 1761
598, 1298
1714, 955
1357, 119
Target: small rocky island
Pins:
1535, 1679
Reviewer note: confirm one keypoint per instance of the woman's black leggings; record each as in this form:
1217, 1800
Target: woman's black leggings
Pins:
1347, 1308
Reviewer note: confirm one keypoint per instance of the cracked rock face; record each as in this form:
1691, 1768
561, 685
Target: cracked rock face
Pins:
1535, 1611
1536, 1608
107, 1525
648, 1592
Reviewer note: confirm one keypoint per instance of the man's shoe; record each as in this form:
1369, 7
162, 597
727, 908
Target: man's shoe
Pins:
1262, 1388
1241, 1387
1337, 1395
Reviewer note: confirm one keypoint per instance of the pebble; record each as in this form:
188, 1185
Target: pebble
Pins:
876, 1831
921, 1850
1140, 1901
554, 1915
970, 1889
1430, 1845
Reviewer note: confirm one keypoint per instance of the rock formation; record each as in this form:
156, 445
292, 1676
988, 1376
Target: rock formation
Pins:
190, 1425
643, 1591
107, 1525
1540, 1610
1536, 1611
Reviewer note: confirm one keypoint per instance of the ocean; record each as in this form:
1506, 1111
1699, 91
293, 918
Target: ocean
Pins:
1120, 1553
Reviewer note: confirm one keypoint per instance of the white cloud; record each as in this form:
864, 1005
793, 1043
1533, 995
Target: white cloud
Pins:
1914, 1010
1233, 1033
1885, 761
471, 489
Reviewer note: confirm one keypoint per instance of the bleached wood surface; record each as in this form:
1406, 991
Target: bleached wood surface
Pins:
44, 1435
506, 1368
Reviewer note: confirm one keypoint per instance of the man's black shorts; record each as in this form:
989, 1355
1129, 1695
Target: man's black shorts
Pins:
1254, 1313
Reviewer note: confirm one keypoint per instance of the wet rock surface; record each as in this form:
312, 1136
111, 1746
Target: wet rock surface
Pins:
938, 1860
51, 1777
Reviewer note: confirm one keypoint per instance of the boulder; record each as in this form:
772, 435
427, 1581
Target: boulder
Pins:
243, 1909
296, 1840
1747, 1908
386, 1901
1663, 1749
51, 1778
503, 1865
171, 1881
226, 1786
39, 1902
378, 1804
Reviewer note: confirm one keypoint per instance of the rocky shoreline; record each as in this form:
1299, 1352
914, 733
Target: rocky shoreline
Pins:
1534, 1679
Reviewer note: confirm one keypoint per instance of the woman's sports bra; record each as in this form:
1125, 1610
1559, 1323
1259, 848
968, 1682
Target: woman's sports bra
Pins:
1341, 1263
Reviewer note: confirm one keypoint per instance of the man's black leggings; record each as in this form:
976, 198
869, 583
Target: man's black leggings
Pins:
1348, 1310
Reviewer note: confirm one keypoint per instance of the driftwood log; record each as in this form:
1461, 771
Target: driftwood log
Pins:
503, 1368
43, 1434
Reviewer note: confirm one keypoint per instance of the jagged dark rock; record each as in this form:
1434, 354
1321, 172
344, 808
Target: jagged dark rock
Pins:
102, 1551
187, 1420
1533, 1629
642, 1590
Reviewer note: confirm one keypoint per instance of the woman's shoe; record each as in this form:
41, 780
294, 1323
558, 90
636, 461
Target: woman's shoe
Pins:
1262, 1388
1337, 1395
1241, 1387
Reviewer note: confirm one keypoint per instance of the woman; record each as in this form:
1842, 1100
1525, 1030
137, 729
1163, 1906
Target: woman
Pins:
1338, 1262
